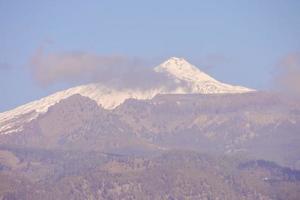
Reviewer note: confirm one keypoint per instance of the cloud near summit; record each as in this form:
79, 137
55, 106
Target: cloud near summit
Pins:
73, 67
287, 78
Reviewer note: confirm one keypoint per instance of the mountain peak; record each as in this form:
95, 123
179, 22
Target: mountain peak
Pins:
181, 69
175, 62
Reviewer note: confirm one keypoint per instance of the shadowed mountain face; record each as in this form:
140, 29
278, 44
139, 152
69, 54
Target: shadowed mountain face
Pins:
258, 125
254, 124
226, 148
76, 123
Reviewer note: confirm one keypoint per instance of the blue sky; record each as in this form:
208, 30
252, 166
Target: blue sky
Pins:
238, 42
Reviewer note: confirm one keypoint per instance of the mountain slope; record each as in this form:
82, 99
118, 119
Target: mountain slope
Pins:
77, 123
183, 77
259, 125
171, 175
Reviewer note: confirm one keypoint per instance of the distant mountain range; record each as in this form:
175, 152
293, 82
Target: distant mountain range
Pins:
180, 78
194, 139
258, 125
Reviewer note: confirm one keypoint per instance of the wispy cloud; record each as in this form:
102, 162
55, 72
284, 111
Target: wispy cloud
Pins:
287, 76
116, 70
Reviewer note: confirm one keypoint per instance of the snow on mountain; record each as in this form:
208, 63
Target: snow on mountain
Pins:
186, 79
195, 80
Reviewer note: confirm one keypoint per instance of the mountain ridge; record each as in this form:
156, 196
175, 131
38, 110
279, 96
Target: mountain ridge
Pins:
186, 79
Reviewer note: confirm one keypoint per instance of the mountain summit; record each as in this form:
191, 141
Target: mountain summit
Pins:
181, 69
184, 78
193, 80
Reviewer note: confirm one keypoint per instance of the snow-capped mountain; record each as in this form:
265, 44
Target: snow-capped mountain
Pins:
192, 80
185, 79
